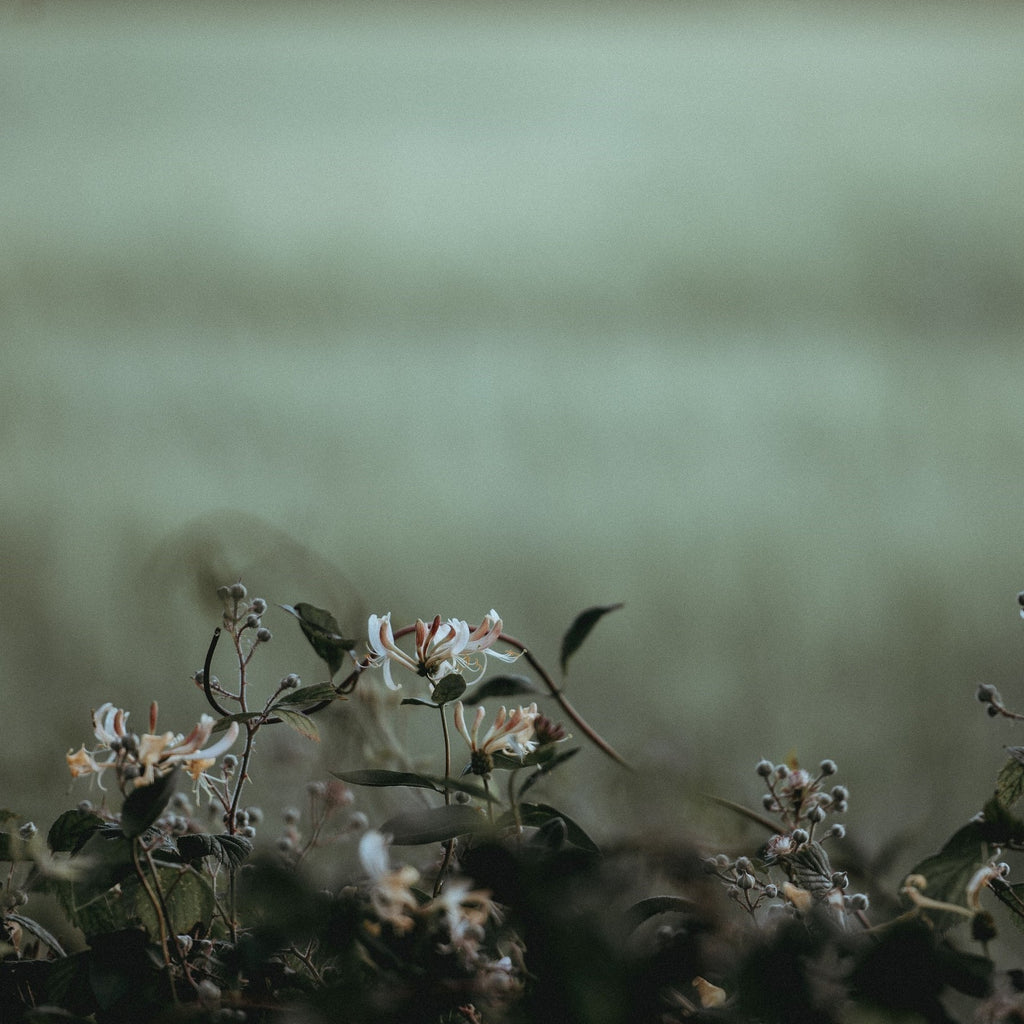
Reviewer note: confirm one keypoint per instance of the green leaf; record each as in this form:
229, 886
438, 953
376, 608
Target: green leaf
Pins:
450, 688
382, 777
537, 815
501, 686
1010, 783
306, 695
434, 825
580, 629
654, 905
324, 634
420, 702
243, 716
146, 803
71, 831
302, 724
546, 766
229, 851
948, 871
188, 895
37, 930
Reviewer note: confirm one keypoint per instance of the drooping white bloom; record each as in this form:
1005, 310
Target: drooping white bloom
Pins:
511, 732
390, 889
441, 647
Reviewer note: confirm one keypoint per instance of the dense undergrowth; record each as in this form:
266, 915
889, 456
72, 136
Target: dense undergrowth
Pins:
180, 900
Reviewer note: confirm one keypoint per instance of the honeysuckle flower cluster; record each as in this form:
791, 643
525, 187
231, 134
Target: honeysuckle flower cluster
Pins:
138, 760
441, 648
511, 733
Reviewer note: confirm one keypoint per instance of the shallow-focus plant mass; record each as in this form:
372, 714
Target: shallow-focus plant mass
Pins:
176, 899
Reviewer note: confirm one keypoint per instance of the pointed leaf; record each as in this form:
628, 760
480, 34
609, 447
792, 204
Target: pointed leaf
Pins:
324, 634
146, 803
70, 832
382, 777
243, 716
501, 686
302, 724
450, 688
415, 828
538, 814
580, 629
948, 871
420, 702
306, 695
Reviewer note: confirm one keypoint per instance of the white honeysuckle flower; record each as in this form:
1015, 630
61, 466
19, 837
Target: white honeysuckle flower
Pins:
151, 754
511, 733
442, 648
390, 889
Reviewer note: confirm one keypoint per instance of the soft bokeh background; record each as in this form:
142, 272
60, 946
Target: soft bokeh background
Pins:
711, 309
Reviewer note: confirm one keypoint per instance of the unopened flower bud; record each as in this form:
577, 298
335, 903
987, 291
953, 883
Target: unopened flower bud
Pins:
837, 831
745, 880
816, 814
840, 794
358, 821
258, 605
840, 880
291, 815
771, 891
290, 681
224, 593
248, 832
252, 621
800, 836
768, 802
857, 901
28, 830
264, 635
828, 767
229, 762
987, 693
743, 864
238, 591
764, 768
782, 771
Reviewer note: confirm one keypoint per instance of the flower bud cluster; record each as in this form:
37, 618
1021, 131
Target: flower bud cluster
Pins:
742, 883
800, 799
242, 613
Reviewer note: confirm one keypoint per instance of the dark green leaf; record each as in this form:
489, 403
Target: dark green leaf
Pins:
324, 634
415, 828
37, 930
546, 766
302, 724
1010, 783
654, 905
306, 695
420, 702
537, 815
581, 628
13, 847
450, 688
146, 803
229, 851
243, 716
949, 871
382, 777
70, 832
501, 686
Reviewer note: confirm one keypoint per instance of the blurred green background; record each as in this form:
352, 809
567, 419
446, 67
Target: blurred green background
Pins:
713, 309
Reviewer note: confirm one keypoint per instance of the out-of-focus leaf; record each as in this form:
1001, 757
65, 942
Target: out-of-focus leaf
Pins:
306, 695
1010, 782
415, 828
948, 871
546, 766
501, 686
324, 634
188, 896
302, 724
71, 831
537, 815
383, 777
13, 847
229, 851
654, 905
420, 702
580, 629
37, 930
1012, 897
146, 803
450, 688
